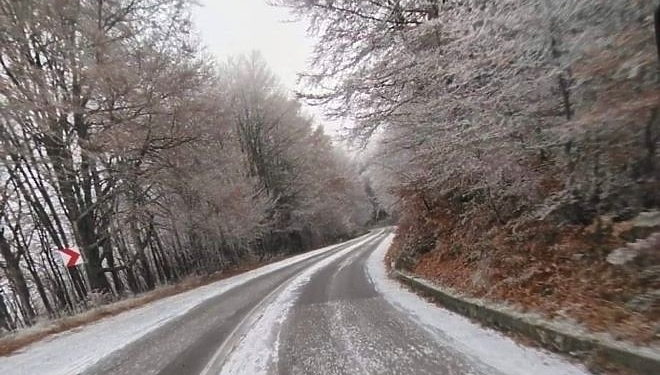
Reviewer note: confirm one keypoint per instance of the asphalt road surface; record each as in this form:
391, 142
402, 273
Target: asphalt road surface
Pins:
323, 315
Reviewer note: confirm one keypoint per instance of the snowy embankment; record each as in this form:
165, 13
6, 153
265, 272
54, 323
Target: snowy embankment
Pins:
73, 351
483, 345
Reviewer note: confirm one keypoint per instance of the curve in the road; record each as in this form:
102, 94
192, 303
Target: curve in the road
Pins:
340, 324
186, 345
335, 312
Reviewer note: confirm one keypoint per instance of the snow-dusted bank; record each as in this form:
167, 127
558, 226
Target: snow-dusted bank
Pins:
72, 352
480, 344
348, 279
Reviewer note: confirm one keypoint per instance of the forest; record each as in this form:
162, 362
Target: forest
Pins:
515, 141
120, 136
519, 139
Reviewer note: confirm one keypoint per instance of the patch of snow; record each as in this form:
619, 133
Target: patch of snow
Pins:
632, 250
263, 335
487, 346
73, 351
647, 219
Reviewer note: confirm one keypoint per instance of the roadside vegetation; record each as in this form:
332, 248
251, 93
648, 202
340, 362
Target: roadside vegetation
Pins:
121, 137
519, 140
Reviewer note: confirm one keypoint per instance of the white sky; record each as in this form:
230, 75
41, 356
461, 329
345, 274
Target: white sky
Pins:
233, 27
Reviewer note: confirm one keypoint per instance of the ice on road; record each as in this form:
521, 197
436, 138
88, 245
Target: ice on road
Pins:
329, 311
72, 352
483, 345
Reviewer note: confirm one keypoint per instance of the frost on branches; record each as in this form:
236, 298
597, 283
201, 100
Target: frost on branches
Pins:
497, 115
120, 138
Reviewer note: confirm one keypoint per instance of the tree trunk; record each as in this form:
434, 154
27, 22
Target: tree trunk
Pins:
16, 277
116, 278
657, 28
6, 321
39, 284
141, 255
165, 262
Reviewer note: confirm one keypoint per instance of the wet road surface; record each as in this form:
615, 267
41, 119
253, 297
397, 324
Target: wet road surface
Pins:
322, 315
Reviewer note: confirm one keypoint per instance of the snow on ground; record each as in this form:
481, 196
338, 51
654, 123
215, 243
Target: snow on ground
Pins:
488, 346
263, 337
73, 351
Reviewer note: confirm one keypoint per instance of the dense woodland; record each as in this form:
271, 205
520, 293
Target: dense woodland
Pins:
121, 137
518, 137
517, 141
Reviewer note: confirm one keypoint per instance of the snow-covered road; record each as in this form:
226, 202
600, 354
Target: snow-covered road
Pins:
331, 311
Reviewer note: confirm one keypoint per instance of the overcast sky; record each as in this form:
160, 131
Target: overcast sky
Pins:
232, 27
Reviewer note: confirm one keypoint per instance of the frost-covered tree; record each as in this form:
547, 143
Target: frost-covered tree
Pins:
295, 163
496, 98
120, 137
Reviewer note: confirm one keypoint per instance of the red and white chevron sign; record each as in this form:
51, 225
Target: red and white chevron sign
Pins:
70, 256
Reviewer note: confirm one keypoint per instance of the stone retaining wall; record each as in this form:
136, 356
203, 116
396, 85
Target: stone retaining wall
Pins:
644, 361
